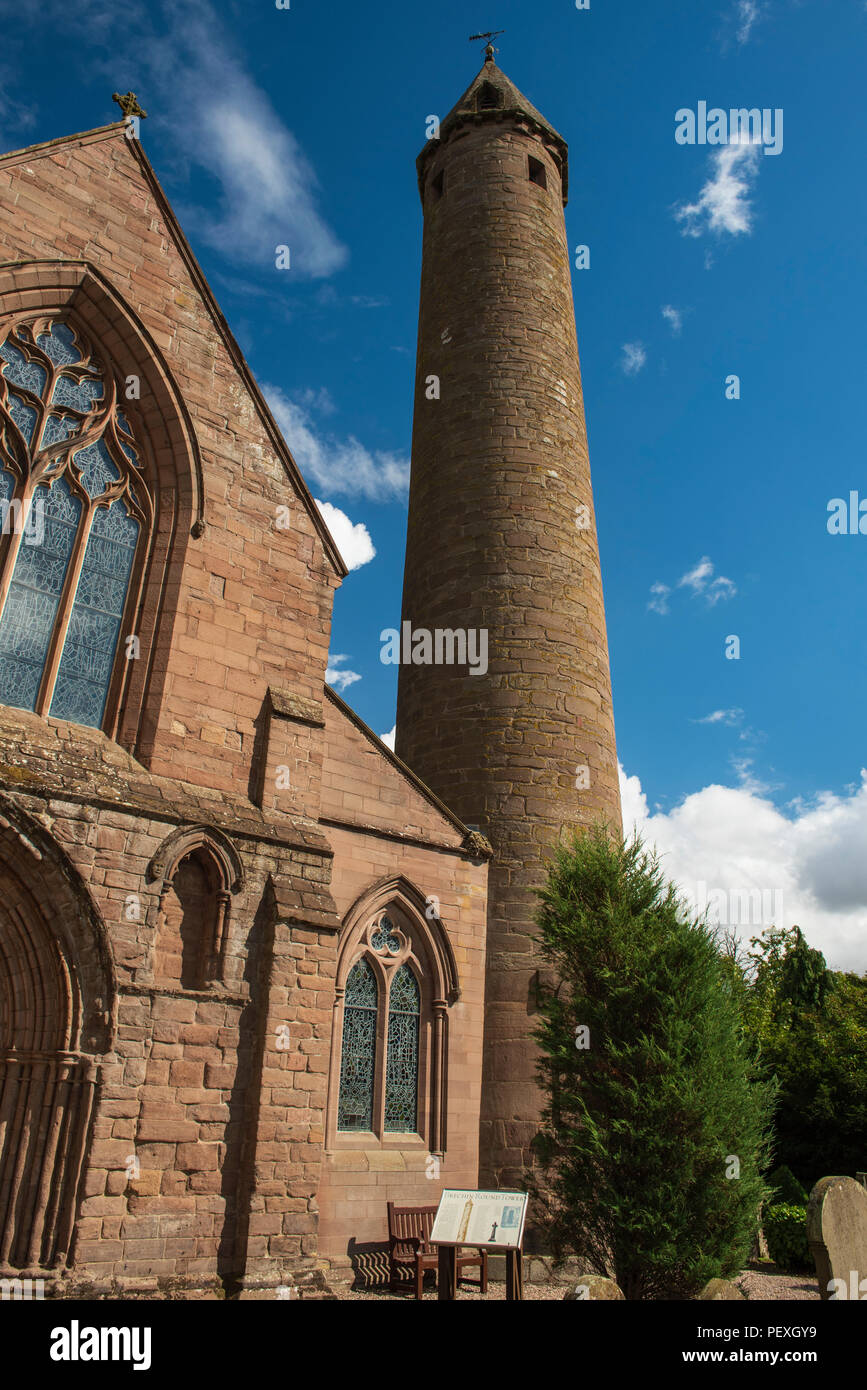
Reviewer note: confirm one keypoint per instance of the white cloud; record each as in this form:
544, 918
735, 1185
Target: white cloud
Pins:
352, 539
338, 465
321, 401
723, 203
634, 358
721, 588
700, 581
388, 739
745, 15
673, 317
186, 67
268, 187
722, 716
697, 580
222, 121
659, 602
742, 765
736, 840
340, 679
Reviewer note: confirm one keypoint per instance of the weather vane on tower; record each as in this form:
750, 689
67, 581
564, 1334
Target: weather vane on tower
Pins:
490, 35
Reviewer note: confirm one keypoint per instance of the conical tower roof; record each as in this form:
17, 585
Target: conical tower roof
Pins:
512, 102
493, 96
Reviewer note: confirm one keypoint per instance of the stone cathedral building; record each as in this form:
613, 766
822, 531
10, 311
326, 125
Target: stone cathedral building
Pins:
259, 975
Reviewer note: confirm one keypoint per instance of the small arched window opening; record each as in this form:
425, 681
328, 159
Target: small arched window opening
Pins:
196, 890
436, 187
189, 928
196, 871
74, 507
538, 173
489, 97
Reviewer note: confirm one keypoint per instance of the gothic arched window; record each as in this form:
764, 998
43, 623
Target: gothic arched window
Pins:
358, 1057
379, 1059
74, 507
401, 1068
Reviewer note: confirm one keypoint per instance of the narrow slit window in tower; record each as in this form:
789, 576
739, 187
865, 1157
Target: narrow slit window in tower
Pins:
537, 172
436, 187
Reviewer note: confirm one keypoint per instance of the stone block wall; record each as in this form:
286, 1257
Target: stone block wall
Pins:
238, 593
203, 1161
183, 887
525, 748
385, 827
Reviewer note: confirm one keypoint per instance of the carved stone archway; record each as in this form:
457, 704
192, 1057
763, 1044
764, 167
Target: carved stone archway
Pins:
197, 871
57, 993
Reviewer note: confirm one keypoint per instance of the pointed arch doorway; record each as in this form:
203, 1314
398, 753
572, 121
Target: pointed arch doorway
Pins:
53, 1026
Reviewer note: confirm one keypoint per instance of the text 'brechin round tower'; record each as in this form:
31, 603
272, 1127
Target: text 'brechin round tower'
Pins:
502, 541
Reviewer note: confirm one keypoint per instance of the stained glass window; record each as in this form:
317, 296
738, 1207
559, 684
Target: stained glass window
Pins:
401, 1070
23, 414
34, 596
385, 939
79, 394
94, 625
96, 468
7, 485
53, 389
21, 371
358, 1056
59, 344
58, 427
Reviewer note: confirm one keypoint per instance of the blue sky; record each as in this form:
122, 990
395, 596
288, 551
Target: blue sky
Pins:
301, 126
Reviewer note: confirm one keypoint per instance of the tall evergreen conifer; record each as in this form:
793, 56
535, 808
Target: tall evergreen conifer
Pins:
656, 1126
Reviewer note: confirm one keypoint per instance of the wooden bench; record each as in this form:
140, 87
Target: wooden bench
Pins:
409, 1247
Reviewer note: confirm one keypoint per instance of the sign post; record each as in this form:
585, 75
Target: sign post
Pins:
447, 1272
484, 1221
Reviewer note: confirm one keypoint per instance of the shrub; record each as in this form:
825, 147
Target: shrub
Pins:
786, 1188
785, 1227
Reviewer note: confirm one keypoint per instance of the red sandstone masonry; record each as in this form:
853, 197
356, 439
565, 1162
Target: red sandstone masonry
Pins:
206, 1156
506, 436
358, 1181
199, 720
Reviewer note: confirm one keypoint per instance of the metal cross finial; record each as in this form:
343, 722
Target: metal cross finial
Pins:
128, 104
489, 34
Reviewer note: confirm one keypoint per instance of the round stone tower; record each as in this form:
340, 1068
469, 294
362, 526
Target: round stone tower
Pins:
501, 549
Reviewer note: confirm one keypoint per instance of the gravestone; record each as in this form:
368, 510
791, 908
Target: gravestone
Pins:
593, 1286
837, 1236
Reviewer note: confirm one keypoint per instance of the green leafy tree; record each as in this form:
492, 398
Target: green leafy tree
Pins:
810, 1025
654, 1101
785, 1187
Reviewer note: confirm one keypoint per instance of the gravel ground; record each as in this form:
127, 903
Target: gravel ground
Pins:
763, 1284
758, 1284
